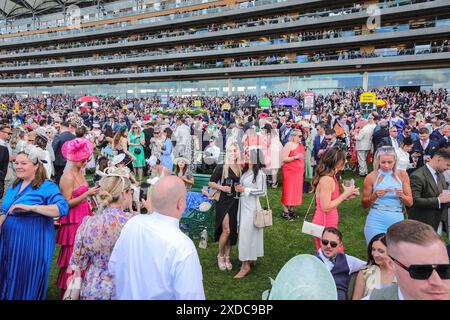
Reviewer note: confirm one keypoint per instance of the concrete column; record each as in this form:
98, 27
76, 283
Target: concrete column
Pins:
230, 87
290, 83
365, 81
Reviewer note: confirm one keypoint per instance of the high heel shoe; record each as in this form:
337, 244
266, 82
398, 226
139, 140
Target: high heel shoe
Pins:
228, 264
242, 273
221, 263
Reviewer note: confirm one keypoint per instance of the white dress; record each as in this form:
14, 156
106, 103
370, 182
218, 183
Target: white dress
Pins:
251, 239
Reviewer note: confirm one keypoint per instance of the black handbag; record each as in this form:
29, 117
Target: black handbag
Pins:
137, 151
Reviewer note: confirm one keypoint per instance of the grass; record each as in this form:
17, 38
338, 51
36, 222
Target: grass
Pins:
281, 242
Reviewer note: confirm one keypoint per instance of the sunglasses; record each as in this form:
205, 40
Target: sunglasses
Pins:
333, 244
7, 132
424, 271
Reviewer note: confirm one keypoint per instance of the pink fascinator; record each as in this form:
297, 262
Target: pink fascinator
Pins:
78, 149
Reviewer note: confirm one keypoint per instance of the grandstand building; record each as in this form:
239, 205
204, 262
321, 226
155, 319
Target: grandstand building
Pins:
140, 48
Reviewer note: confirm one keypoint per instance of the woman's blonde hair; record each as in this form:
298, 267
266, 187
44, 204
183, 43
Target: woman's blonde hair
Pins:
384, 151
227, 165
112, 185
295, 132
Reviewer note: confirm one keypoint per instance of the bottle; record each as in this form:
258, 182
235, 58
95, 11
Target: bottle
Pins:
203, 239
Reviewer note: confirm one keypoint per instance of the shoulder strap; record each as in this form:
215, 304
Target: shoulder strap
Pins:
310, 205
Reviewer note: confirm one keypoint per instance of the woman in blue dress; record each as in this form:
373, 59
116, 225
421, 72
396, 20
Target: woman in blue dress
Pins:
27, 238
386, 190
166, 156
193, 199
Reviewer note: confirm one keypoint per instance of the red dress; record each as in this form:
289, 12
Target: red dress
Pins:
66, 234
329, 219
293, 179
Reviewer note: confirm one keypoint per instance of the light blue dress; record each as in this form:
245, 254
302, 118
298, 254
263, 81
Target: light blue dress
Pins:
386, 210
166, 157
27, 242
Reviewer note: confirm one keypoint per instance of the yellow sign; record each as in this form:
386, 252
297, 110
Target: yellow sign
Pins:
125, 107
226, 106
16, 107
197, 103
368, 97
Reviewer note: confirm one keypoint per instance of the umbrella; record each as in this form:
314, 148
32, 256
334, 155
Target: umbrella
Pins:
250, 104
88, 99
87, 104
226, 106
381, 103
287, 102
265, 102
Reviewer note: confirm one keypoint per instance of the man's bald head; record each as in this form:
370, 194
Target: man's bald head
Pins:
169, 196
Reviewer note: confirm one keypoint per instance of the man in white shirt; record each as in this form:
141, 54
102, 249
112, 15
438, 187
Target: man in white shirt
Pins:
183, 136
420, 263
340, 265
152, 258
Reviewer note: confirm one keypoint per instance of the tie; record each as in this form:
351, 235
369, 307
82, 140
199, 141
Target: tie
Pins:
438, 182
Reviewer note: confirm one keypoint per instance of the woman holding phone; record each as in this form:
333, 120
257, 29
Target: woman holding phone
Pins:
386, 190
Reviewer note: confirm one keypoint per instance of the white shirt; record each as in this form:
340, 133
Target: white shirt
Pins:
424, 144
394, 143
183, 134
354, 264
400, 295
403, 159
154, 260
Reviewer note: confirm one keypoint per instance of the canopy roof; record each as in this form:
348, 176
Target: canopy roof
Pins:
26, 8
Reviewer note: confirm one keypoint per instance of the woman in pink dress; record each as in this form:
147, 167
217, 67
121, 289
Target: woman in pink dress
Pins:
293, 156
326, 187
75, 189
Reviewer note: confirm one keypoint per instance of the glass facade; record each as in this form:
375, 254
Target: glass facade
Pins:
320, 83
425, 78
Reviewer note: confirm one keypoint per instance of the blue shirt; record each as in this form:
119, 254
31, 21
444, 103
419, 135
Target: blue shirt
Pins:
47, 194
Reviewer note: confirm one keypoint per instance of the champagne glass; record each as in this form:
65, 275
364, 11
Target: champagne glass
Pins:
229, 183
236, 193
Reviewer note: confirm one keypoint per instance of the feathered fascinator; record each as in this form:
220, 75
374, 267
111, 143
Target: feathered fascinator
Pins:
34, 153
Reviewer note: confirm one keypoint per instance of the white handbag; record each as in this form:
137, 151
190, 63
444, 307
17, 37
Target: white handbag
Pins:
310, 228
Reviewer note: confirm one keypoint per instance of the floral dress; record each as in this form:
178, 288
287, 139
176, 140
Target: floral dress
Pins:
94, 243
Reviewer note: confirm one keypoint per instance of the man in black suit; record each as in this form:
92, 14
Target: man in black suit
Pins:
60, 162
390, 141
427, 185
380, 134
440, 135
4, 161
424, 148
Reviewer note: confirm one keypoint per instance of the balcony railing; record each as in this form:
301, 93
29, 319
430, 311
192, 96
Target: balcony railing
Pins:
243, 62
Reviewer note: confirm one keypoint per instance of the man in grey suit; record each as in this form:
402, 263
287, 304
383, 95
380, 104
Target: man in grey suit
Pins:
419, 261
427, 185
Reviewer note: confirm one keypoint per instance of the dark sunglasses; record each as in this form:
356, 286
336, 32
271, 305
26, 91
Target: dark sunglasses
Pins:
333, 244
424, 271
7, 132
328, 139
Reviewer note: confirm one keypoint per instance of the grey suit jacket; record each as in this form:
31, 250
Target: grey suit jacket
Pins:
389, 293
425, 202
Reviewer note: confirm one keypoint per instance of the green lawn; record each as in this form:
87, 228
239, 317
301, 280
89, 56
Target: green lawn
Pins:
281, 242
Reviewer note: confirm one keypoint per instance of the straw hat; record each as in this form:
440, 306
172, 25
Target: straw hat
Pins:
176, 160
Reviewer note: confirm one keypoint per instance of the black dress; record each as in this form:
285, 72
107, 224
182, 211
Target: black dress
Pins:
226, 204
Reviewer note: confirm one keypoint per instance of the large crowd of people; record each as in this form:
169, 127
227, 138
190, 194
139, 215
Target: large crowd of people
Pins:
119, 231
